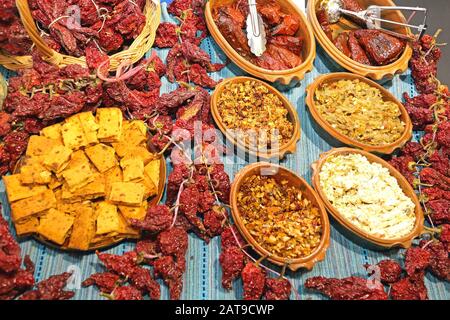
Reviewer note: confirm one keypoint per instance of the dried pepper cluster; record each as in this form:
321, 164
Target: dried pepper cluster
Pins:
14, 39
405, 284
18, 282
235, 263
38, 97
75, 25
186, 61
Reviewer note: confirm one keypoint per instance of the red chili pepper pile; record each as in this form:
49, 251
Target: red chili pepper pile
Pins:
18, 282
14, 39
75, 25
186, 61
38, 97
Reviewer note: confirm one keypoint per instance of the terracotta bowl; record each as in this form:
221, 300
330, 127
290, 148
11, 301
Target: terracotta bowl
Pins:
281, 173
288, 147
404, 242
283, 76
374, 72
332, 77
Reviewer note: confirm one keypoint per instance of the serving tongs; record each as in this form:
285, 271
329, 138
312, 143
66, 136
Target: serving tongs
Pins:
372, 17
256, 34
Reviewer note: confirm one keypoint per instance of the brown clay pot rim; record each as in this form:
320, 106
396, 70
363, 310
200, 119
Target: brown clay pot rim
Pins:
287, 147
298, 71
307, 262
404, 242
332, 77
376, 72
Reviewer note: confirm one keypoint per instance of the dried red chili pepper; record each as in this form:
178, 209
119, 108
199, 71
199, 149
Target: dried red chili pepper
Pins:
172, 272
126, 266
5, 123
10, 259
228, 240
167, 35
253, 281
221, 182
277, 289
126, 293
413, 149
443, 134
179, 173
12, 284
190, 205
405, 165
50, 289
434, 178
170, 102
439, 260
351, 288
104, 281
416, 260
390, 271
214, 220
173, 242
232, 261
157, 219
148, 250
440, 162
444, 237
410, 288
440, 210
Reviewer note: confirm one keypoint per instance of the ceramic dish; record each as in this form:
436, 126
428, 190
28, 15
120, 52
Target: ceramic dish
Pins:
279, 173
288, 147
332, 77
373, 72
283, 76
404, 242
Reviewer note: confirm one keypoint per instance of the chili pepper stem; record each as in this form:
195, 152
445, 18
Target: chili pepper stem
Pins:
257, 262
432, 230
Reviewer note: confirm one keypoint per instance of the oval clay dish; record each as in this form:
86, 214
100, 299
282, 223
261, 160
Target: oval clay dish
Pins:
108, 242
288, 147
374, 72
332, 77
404, 242
279, 173
283, 76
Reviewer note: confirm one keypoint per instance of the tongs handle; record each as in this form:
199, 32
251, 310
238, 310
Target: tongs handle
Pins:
254, 18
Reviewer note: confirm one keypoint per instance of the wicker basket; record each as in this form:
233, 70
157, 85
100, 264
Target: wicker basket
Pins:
3, 90
140, 46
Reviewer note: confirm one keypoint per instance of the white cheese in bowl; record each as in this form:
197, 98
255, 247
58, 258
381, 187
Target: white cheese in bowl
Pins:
367, 196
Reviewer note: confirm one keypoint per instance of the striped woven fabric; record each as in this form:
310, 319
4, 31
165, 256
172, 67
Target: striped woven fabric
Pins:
202, 279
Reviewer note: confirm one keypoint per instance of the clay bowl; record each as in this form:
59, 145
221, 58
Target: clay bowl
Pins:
404, 242
373, 72
283, 76
332, 77
288, 147
281, 173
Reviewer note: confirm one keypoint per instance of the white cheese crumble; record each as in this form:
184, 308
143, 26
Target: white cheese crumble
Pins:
367, 196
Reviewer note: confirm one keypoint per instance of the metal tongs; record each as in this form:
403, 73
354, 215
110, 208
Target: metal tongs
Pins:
372, 17
256, 34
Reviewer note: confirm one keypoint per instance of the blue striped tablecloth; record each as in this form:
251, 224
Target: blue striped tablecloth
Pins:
202, 279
